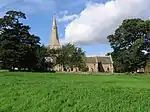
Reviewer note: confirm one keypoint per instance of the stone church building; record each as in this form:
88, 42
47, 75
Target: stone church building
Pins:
94, 64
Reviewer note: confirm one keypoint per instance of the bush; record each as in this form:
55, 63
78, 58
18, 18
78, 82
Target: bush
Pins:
85, 69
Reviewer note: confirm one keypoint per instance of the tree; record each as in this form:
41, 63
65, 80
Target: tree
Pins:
147, 68
18, 46
69, 56
8, 40
42, 64
53, 54
129, 43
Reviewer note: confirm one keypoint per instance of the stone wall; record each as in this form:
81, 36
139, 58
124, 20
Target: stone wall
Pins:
108, 67
94, 67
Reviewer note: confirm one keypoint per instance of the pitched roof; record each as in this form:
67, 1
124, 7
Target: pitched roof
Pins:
102, 59
90, 60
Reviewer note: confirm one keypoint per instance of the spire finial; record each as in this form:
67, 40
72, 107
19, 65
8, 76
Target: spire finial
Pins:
54, 19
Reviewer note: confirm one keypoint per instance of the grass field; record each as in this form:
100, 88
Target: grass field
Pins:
45, 92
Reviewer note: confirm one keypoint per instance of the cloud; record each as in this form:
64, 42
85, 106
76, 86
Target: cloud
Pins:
64, 12
67, 18
63, 42
64, 16
4, 3
98, 20
28, 6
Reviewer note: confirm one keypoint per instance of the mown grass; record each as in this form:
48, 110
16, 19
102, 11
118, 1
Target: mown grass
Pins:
45, 92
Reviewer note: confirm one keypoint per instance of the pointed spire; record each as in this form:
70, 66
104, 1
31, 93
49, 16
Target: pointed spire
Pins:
54, 21
54, 40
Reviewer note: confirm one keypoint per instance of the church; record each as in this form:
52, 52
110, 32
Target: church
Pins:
94, 64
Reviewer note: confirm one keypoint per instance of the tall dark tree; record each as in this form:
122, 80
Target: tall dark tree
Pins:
17, 46
130, 42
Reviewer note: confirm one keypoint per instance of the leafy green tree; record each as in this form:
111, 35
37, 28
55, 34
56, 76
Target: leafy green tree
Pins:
129, 41
42, 64
78, 58
28, 52
18, 46
9, 42
147, 68
53, 54
69, 56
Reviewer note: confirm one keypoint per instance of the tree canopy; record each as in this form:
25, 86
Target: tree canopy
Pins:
131, 45
21, 49
69, 56
18, 47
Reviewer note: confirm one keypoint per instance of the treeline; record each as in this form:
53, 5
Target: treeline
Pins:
131, 46
22, 50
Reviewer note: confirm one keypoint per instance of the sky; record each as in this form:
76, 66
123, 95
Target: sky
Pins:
87, 23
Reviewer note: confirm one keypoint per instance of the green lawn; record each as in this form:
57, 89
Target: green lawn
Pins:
45, 92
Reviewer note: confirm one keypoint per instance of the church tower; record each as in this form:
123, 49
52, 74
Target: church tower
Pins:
54, 40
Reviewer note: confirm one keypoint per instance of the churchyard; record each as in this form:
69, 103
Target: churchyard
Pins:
55, 92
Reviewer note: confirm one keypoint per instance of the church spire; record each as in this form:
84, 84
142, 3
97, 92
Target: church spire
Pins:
54, 40
54, 21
